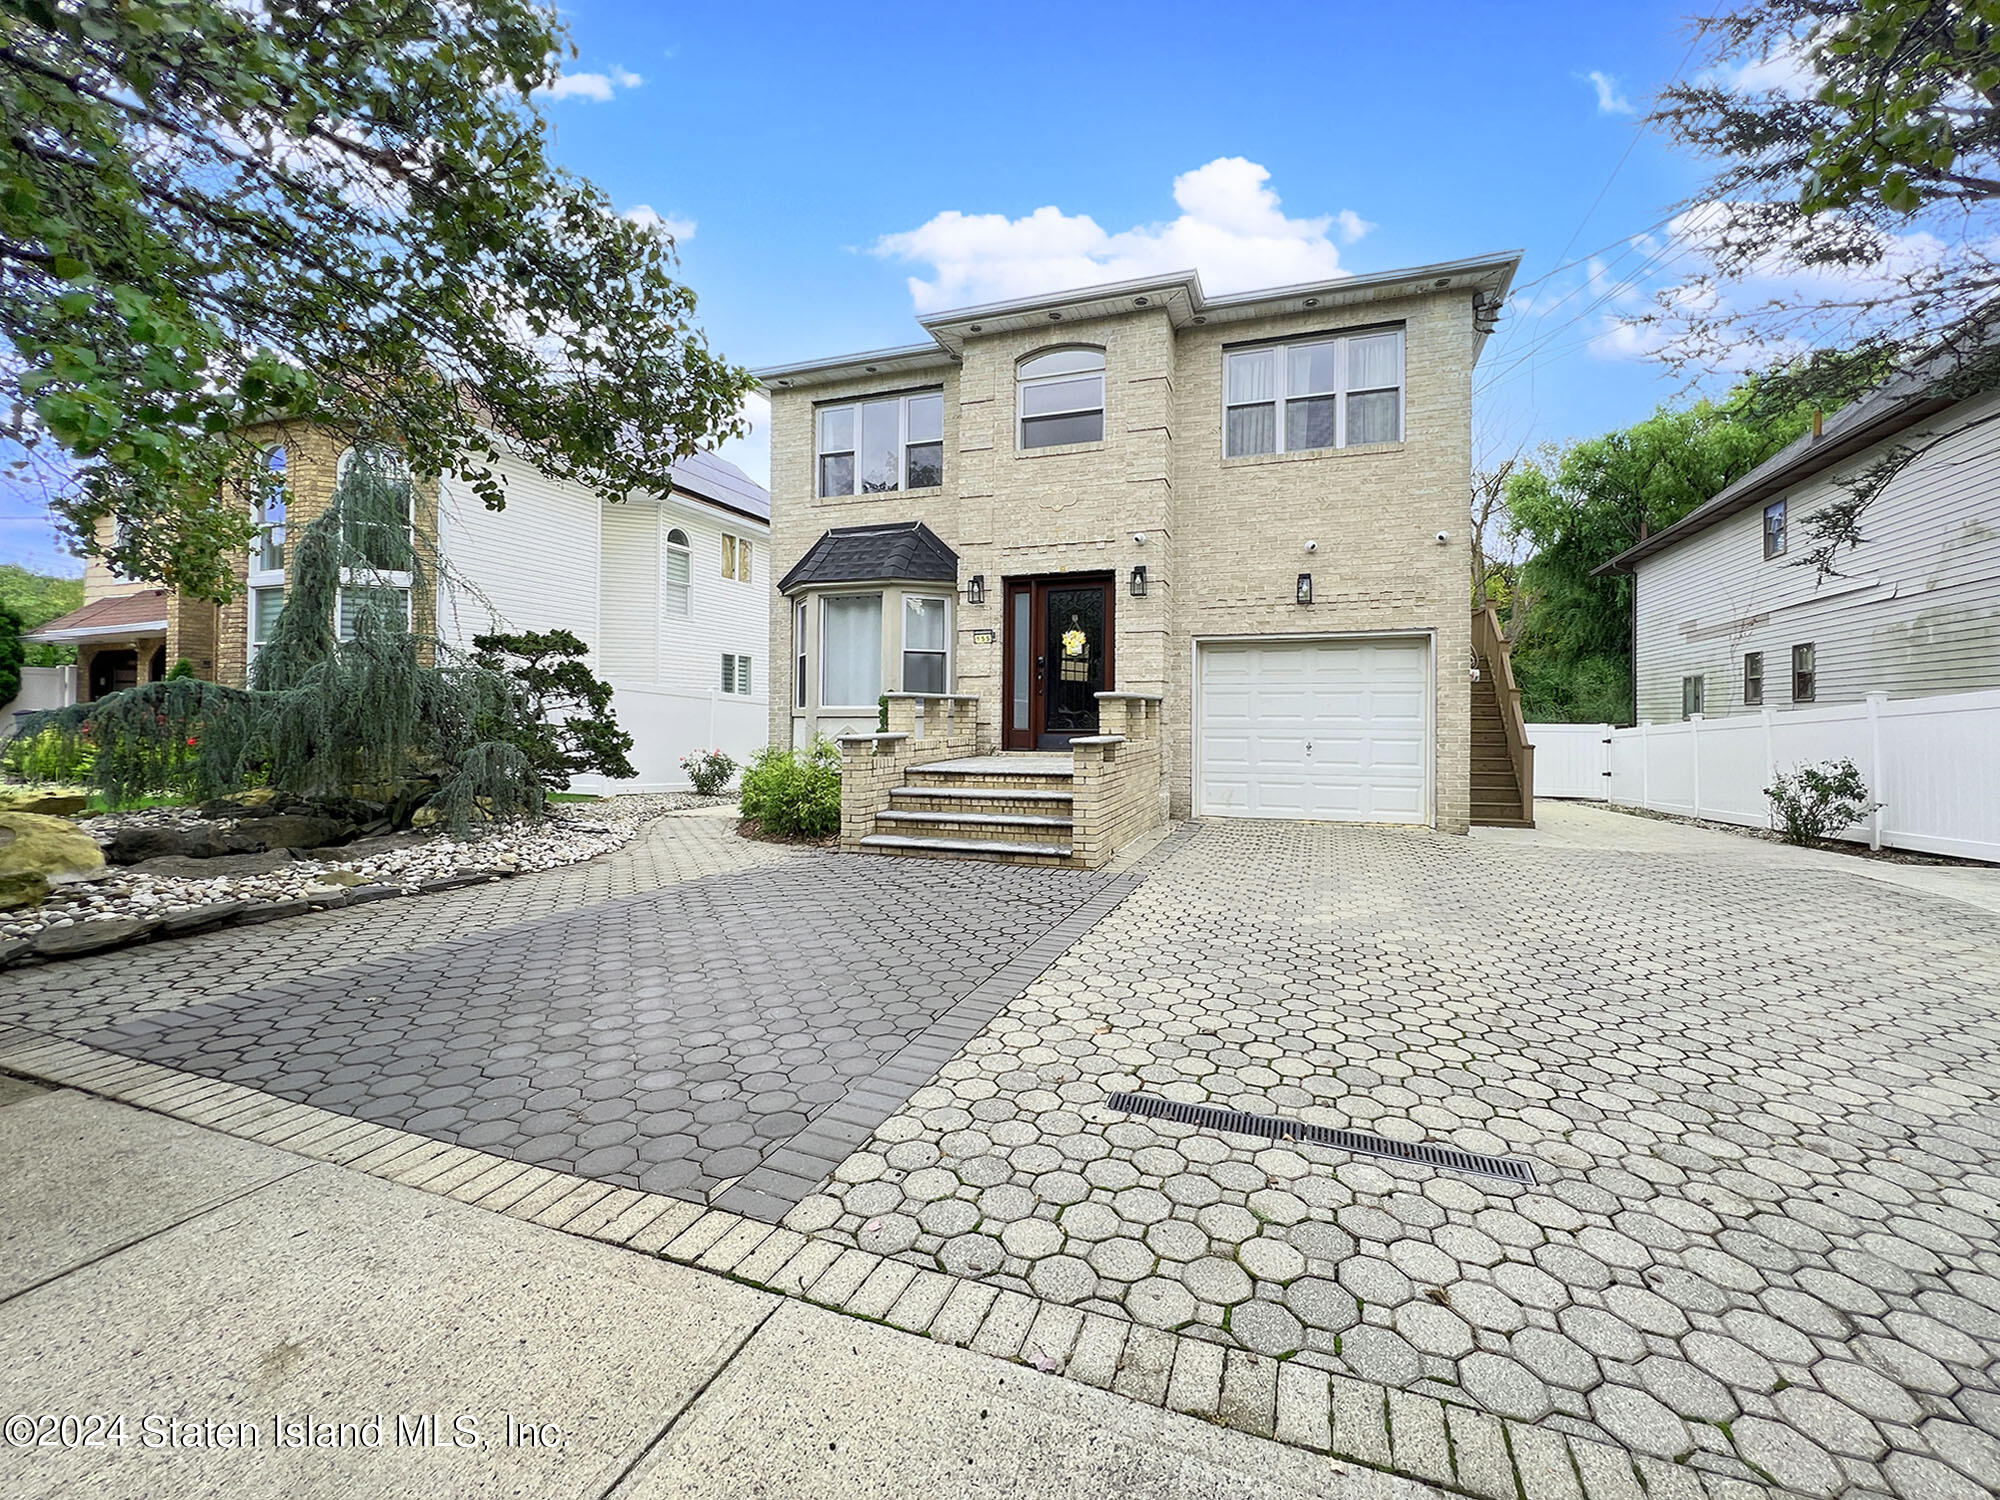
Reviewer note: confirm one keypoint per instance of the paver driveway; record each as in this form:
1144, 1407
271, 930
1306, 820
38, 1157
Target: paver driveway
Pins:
683, 1039
1763, 1098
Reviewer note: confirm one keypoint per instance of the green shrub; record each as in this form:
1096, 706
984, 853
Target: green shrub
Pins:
48, 757
795, 794
1810, 804
708, 770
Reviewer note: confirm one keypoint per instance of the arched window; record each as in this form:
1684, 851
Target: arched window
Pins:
267, 549
1060, 398
675, 583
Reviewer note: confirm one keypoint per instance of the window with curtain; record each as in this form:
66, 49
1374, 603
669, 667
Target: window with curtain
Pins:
876, 446
1805, 673
926, 649
265, 606
1313, 394
1060, 398
676, 580
850, 633
391, 602
735, 674
1774, 529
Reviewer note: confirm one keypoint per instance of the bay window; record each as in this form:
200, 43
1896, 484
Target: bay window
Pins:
889, 443
850, 633
1313, 394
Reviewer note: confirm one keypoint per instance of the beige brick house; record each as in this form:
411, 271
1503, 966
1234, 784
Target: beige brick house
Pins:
1219, 538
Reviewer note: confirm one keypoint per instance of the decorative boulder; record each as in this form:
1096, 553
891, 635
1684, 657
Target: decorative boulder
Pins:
186, 840
38, 852
49, 804
285, 831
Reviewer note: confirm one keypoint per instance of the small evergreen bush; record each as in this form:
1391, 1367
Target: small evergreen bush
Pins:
709, 770
794, 794
1810, 804
560, 717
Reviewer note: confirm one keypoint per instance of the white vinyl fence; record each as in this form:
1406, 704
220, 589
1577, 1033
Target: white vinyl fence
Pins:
41, 687
1933, 764
665, 725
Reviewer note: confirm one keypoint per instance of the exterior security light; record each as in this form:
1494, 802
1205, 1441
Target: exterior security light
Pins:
975, 591
1139, 582
1305, 588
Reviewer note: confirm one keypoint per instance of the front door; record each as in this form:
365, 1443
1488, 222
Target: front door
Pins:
1059, 658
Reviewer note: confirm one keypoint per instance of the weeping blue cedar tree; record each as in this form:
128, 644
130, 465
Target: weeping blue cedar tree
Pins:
346, 700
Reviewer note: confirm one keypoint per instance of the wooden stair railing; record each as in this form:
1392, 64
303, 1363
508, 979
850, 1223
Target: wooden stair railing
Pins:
1491, 646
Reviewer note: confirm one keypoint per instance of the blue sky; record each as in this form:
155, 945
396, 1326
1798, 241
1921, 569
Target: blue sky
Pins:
821, 160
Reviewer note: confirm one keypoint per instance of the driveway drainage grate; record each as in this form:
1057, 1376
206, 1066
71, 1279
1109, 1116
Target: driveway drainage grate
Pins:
1447, 1158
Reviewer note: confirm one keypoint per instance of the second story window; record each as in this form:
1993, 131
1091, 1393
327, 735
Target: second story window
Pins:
1774, 529
874, 447
1061, 398
676, 588
1313, 394
267, 551
736, 557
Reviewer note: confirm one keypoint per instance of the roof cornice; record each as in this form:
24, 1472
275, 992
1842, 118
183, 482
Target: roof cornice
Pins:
1178, 295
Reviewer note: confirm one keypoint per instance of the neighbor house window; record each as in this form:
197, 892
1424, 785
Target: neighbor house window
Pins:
926, 663
1691, 689
676, 583
377, 525
1805, 674
873, 447
267, 551
1316, 393
265, 606
1774, 529
799, 653
1060, 398
736, 557
850, 636
735, 673
1753, 678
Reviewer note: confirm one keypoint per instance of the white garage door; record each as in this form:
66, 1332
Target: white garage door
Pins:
1338, 730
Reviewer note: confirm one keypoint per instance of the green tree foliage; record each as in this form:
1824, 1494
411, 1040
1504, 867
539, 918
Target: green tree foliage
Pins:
562, 719
1580, 506
39, 598
13, 654
382, 715
1854, 209
214, 213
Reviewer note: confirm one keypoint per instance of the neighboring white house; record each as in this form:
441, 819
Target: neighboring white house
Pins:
669, 592
1729, 621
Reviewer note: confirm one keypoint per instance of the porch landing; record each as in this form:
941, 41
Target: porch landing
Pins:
1011, 763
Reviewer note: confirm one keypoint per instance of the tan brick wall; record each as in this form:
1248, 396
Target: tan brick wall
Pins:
1224, 539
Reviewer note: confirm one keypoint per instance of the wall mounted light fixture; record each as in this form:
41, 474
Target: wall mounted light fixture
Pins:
975, 590
1139, 582
1305, 588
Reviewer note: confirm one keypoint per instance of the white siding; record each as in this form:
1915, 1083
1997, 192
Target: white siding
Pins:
560, 557
1916, 612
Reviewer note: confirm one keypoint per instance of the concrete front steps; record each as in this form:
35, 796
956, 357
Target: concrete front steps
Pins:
981, 808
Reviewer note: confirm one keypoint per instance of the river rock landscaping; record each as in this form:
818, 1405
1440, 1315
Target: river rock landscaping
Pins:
193, 872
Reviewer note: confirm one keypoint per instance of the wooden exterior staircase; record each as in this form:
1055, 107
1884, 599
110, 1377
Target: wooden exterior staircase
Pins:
1503, 762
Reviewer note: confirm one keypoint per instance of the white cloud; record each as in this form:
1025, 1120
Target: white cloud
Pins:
1231, 229
1786, 71
647, 217
597, 87
752, 452
1609, 100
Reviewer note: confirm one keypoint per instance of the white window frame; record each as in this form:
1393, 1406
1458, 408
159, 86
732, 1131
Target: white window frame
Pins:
252, 641
903, 640
679, 553
1694, 695
1781, 537
881, 605
903, 444
737, 675
375, 578
1024, 382
1341, 389
260, 578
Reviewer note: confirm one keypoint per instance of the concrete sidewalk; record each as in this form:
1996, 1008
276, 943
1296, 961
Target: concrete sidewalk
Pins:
264, 1324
